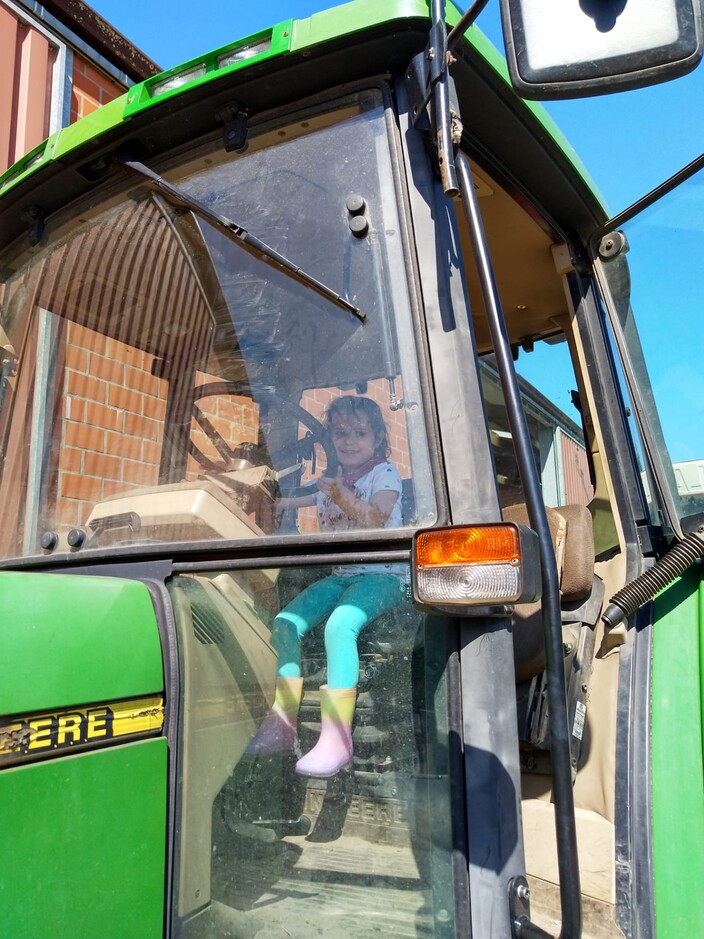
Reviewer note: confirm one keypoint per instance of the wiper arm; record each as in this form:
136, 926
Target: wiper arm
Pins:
237, 234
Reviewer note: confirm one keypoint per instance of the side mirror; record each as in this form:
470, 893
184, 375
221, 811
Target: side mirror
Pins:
575, 48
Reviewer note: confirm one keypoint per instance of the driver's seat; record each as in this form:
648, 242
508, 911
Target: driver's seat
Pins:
581, 598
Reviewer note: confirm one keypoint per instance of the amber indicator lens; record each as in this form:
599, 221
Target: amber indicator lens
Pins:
480, 544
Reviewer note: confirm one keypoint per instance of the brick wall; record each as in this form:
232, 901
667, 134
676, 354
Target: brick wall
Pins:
109, 438
91, 88
27, 75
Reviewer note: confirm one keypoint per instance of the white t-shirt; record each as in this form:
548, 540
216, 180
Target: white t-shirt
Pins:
332, 518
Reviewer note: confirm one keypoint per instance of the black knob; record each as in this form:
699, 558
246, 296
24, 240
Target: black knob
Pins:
76, 537
49, 540
359, 226
356, 204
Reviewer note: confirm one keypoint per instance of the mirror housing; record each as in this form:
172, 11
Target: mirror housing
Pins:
576, 48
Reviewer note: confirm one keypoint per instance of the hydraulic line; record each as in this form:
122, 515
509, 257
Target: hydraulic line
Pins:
644, 587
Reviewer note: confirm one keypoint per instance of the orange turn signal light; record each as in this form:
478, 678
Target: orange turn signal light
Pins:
479, 544
488, 565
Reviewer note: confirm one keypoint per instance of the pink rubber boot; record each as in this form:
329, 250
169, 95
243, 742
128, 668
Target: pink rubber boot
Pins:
278, 732
333, 751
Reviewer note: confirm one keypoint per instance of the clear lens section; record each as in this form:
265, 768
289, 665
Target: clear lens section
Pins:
261, 848
245, 52
160, 384
176, 81
465, 583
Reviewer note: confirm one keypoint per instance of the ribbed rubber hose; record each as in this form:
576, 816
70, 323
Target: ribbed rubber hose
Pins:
644, 587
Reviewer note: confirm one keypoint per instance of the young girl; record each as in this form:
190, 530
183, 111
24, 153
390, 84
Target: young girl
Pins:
365, 492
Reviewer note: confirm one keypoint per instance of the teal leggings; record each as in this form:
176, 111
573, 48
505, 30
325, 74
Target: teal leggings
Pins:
349, 603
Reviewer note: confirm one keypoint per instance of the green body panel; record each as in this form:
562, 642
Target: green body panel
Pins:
678, 758
65, 140
69, 640
289, 37
92, 125
83, 842
353, 17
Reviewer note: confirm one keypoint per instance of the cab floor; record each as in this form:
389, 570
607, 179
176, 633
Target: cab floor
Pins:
299, 889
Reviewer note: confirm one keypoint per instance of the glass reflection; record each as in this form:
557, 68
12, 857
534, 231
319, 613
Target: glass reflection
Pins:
265, 848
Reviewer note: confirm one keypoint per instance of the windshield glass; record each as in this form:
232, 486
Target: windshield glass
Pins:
654, 286
160, 383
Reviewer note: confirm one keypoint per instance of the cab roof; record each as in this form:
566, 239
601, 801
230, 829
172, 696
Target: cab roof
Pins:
290, 61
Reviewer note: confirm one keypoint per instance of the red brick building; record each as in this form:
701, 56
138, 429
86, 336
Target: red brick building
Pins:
59, 60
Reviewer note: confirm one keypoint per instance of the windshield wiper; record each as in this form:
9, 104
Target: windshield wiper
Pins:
237, 234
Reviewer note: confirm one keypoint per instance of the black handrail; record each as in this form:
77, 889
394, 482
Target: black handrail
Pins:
565, 825
465, 21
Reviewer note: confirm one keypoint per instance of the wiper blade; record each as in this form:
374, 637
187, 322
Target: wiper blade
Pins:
237, 234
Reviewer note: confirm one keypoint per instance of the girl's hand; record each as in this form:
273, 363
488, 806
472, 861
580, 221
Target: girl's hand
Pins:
372, 514
333, 487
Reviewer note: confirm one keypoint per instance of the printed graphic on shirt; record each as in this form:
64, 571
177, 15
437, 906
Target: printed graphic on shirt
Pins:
382, 477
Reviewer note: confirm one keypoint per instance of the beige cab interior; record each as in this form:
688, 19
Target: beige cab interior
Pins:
530, 265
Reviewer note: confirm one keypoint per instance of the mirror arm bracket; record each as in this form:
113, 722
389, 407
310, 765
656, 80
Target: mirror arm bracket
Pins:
428, 79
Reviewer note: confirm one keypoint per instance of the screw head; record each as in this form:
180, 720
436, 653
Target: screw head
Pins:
612, 245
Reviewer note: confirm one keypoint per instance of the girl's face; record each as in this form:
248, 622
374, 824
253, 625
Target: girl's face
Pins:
353, 439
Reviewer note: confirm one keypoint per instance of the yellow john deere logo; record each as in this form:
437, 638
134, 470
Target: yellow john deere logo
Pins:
24, 738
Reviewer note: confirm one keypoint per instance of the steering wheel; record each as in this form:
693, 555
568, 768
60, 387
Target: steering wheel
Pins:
302, 448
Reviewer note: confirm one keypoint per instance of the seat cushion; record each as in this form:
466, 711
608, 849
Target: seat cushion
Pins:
573, 542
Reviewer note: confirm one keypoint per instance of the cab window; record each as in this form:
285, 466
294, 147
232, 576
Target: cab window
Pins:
161, 384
